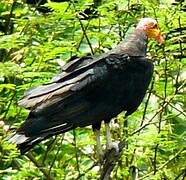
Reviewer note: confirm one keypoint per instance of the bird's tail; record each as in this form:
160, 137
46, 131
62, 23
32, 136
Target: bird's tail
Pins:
35, 130
23, 142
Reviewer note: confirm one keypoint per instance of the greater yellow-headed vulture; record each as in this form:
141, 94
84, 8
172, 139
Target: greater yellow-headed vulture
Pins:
90, 90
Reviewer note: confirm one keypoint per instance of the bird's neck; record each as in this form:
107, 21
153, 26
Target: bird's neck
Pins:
135, 45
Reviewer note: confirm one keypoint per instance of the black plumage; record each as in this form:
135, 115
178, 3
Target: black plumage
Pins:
89, 89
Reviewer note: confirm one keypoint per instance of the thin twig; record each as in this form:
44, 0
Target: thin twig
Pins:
157, 112
87, 170
163, 165
8, 22
85, 34
39, 166
49, 147
82, 37
76, 152
172, 105
148, 123
83, 29
55, 157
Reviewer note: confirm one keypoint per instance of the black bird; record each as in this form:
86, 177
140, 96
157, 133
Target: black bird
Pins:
89, 90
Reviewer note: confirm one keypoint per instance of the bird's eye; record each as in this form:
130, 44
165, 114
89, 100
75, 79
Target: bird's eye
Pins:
155, 26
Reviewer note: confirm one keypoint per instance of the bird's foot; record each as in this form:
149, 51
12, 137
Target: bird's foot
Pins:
113, 145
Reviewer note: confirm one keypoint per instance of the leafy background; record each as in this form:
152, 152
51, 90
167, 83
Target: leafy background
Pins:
33, 47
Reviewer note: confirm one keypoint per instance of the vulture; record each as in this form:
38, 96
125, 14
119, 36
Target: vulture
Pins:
90, 90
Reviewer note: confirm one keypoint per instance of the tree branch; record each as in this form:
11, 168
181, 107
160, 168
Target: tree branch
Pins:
110, 159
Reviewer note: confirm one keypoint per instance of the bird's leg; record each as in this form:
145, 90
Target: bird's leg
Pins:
99, 148
109, 143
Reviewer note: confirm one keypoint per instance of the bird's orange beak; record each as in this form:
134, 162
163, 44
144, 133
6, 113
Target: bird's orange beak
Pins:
156, 34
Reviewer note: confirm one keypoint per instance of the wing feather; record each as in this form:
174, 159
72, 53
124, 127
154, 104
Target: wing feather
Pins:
78, 74
45, 92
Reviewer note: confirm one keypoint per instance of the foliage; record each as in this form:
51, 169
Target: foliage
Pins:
33, 45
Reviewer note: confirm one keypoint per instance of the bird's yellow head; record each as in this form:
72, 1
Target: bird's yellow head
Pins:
150, 27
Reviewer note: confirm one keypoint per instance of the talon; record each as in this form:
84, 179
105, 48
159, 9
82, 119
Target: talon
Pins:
113, 145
